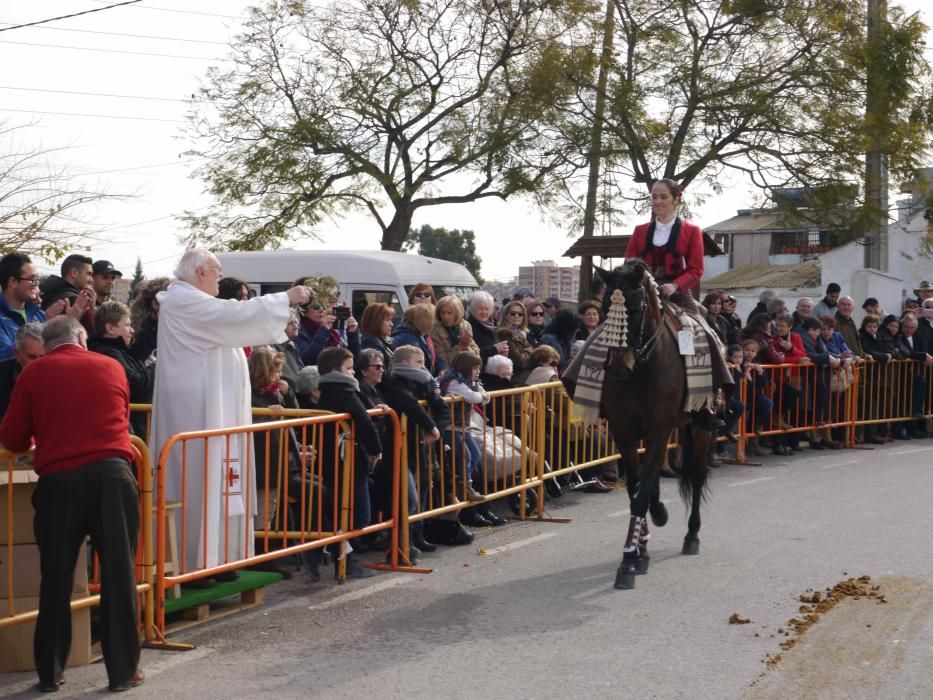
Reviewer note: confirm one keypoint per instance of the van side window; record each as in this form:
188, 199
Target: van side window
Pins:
363, 297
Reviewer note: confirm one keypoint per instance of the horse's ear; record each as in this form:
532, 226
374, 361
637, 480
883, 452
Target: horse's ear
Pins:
601, 273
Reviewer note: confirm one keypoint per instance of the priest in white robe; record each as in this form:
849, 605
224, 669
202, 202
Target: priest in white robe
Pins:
202, 382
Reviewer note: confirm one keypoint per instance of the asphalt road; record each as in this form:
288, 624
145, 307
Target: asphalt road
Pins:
536, 615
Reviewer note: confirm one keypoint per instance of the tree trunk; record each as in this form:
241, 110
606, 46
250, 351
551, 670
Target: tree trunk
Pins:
396, 232
595, 154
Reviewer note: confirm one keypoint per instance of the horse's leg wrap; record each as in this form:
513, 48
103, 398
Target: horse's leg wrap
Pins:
641, 565
625, 574
633, 537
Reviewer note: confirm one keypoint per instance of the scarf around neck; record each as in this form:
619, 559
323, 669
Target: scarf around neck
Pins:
414, 374
340, 379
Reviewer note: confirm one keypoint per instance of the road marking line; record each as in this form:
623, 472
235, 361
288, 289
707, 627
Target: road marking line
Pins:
349, 597
752, 481
521, 543
166, 661
590, 593
620, 513
838, 464
910, 452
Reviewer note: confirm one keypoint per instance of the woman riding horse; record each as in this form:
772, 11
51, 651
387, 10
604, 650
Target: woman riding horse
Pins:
673, 251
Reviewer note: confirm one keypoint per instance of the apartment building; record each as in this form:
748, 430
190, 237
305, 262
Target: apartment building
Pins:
547, 279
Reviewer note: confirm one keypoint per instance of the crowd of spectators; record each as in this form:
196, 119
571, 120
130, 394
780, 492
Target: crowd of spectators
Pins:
818, 347
446, 345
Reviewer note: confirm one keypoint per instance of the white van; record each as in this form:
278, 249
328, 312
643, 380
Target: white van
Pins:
365, 276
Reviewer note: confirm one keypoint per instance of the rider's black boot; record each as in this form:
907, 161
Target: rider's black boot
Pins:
705, 420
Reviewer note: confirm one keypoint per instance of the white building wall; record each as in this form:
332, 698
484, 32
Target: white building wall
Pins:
908, 265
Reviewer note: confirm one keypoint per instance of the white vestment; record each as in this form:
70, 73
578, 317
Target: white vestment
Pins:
202, 382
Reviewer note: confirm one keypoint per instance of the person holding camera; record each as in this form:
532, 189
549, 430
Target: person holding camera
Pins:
326, 324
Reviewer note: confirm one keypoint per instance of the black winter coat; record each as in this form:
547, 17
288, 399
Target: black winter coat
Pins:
9, 371
141, 378
341, 398
873, 346
484, 337
404, 396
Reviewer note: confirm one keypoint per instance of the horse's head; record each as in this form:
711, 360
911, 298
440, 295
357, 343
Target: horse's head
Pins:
633, 280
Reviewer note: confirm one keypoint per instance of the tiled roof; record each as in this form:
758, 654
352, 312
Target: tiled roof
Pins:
614, 246
805, 274
774, 221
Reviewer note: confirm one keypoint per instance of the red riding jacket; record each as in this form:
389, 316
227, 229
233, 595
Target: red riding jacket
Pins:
679, 261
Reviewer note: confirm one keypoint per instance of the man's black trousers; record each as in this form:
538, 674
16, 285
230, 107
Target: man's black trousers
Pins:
101, 500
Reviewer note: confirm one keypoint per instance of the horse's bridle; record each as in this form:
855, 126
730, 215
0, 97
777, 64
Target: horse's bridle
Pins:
642, 353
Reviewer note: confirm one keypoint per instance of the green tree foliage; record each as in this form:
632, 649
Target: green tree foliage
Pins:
138, 276
453, 245
385, 106
774, 90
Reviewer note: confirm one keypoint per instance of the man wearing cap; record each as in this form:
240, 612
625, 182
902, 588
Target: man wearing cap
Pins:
551, 307
924, 291
104, 277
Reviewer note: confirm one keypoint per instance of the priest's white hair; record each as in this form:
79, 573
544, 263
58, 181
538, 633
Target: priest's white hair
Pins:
193, 258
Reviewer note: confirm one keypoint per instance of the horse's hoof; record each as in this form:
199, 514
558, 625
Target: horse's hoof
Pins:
658, 514
641, 566
625, 579
691, 546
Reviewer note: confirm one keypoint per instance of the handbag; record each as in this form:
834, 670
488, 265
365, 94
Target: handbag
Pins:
841, 380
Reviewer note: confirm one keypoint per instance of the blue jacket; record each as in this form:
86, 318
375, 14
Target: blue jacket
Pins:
11, 321
310, 346
403, 335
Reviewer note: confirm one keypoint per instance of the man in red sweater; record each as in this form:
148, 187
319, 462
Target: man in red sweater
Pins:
86, 487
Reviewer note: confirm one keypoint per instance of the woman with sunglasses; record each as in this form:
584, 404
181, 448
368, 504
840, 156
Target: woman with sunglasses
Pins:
731, 317
513, 330
316, 331
422, 293
537, 322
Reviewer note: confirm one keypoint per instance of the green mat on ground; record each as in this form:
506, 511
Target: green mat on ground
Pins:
193, 597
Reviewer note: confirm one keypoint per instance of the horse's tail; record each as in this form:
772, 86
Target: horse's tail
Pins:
694, 472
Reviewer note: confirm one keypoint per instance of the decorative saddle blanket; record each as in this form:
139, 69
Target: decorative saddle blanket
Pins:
586, 374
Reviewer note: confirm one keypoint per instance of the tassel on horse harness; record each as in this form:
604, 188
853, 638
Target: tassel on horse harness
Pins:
616, 328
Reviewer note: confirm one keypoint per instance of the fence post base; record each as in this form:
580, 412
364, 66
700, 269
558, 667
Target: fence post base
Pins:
168, 646
404, 568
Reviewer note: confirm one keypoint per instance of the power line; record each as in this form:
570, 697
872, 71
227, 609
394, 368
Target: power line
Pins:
182, 12
74, 14
132, 36
102, 116
132, 53
93, 94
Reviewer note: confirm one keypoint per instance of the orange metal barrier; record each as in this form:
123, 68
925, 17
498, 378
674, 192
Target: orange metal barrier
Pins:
893, 392
325, 515
508, 438
18, 483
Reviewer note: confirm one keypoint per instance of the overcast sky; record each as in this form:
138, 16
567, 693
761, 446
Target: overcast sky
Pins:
117, 101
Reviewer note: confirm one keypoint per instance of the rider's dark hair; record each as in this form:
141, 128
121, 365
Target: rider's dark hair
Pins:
676, 190
564, 324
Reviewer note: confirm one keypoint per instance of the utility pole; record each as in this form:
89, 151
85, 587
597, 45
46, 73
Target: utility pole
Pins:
596, 148
876, 160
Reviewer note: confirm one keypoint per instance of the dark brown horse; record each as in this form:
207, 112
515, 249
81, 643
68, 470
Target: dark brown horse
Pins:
643, 400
